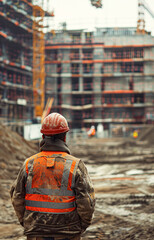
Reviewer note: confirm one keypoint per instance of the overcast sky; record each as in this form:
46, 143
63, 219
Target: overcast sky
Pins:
115, 13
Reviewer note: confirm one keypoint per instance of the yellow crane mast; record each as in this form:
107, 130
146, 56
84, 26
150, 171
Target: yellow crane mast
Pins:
38, 60
39, 15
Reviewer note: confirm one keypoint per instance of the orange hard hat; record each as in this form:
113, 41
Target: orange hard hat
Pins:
53, 124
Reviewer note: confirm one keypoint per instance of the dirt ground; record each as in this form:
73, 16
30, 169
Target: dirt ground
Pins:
122, 171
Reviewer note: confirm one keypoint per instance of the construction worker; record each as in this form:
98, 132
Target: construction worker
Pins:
53, 196
92, 131
135, 134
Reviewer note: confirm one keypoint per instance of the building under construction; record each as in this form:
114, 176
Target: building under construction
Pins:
105, 76
22, 55
16, 91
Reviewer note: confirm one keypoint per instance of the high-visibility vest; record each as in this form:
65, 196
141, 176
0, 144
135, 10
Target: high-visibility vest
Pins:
93, 132
135, 134
50, 183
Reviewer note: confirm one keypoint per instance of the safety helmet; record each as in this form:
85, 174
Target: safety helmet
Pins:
53, 124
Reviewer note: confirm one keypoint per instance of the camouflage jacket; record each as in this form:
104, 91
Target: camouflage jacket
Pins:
55, 225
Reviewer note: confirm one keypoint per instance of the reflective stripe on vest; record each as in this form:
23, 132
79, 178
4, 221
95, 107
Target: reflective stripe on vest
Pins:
49, 190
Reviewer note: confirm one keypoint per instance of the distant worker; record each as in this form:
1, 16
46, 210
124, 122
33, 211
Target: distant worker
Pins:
53, 196
135, 134
92, 131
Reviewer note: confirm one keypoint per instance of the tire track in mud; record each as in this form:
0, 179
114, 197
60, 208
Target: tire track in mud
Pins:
123, 217
123, 179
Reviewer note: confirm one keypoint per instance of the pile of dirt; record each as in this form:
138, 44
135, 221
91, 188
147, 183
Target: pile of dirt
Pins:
13, 151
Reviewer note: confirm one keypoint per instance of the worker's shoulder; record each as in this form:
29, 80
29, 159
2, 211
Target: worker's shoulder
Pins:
33, 157
73, 158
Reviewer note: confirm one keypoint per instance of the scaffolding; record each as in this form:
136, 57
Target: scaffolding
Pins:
16, 88
22, 70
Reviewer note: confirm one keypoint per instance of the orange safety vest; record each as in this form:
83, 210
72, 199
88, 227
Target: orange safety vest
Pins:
135, 134
93, 132
50, 182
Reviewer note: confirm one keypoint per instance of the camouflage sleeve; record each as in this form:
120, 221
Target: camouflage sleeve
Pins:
17, 193
85, 196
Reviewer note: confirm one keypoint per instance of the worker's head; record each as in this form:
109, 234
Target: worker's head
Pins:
55, 125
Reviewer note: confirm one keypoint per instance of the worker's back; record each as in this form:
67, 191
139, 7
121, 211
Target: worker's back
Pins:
50, 182
53, 195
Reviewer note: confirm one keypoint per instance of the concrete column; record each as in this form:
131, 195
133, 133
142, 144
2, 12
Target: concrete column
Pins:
83, 37
80, 84
97, 84
66, 85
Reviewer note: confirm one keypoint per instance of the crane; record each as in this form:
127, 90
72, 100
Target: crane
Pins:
39, 47
96, 3
39, 55
142, 5
38, 60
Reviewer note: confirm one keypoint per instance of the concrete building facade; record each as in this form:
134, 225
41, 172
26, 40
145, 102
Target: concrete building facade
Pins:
105, 76
16, 84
